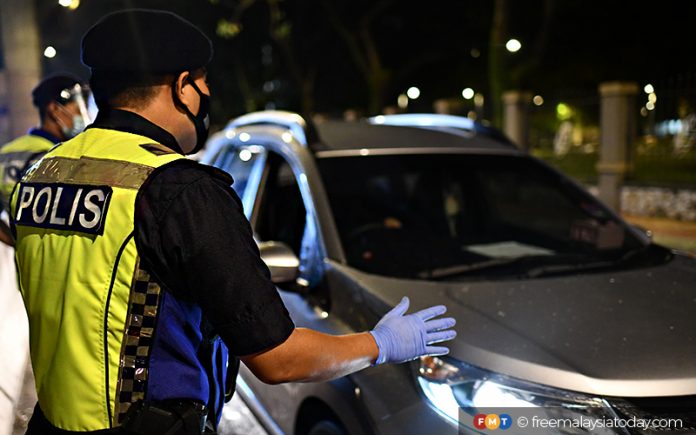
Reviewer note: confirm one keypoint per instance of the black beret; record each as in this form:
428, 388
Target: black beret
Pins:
51, 88
145, 41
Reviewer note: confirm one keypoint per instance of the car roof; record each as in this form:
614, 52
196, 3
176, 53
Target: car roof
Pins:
344, 135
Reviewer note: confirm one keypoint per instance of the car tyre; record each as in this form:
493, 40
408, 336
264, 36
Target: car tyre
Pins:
326, 427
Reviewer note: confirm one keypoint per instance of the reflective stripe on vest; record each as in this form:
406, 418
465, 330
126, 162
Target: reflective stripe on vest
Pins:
91, 308
15, 156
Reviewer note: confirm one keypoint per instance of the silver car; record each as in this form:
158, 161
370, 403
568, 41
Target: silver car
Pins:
563, 309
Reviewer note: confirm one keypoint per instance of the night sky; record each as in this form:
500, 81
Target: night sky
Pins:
424, 44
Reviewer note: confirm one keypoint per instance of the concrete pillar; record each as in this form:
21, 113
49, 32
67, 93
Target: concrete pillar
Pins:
618, 129
516, 116
22, 55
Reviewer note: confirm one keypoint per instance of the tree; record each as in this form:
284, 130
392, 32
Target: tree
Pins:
505, 73
363, 49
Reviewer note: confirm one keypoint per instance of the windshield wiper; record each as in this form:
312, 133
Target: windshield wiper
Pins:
552, 269
463, 269
566, 268
557, 264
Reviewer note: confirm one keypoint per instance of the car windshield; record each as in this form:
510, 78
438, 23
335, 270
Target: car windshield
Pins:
449, 216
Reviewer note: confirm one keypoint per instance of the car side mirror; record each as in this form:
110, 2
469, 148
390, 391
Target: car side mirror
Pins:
281, 261
644, 231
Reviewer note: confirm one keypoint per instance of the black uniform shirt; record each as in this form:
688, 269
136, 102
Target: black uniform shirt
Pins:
192, 235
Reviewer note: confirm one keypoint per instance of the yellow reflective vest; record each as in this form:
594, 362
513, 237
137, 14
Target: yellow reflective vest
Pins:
92, 310
15, 157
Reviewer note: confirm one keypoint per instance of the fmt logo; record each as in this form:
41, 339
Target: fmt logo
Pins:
492, 421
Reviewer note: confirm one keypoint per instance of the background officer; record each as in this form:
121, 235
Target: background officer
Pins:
61, 101
138, 268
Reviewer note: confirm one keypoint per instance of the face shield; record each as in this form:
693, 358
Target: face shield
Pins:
80, 95
92, 109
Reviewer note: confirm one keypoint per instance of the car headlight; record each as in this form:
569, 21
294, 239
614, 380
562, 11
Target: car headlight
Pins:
456, 389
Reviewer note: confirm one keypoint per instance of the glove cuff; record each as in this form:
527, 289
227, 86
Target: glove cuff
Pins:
381, 357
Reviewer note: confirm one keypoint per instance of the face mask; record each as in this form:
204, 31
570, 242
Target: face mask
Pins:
78, 124
201, 121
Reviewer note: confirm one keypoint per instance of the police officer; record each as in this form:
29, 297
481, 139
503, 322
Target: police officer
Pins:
61, 101
138, 268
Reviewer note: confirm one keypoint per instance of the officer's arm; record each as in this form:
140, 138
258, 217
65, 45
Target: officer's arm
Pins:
312, 356
308, 356
203, 247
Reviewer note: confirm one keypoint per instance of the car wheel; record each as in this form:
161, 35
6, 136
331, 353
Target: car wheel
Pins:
326, 427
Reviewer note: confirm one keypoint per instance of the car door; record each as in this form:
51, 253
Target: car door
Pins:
283, 212
280, 215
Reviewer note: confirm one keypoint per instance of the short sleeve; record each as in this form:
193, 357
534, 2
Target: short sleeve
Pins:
193, 237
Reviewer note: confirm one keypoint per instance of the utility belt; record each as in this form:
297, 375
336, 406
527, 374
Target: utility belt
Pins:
183, 417
171, 417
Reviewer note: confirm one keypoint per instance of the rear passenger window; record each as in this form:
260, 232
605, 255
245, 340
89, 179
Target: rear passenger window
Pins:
239, 163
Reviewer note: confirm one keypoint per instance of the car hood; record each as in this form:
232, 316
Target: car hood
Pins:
625, 333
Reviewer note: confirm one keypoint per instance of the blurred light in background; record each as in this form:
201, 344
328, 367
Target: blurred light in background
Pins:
650, 105
70, 4
475, 53
50, 52
563, 111
227, 29
670, 126
652, 98
413, 92
468, 93
538, 100
513, 45
478, 100
402, 101
649, 89
244, 137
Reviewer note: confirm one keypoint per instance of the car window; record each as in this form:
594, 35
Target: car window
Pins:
244, 164
528, 200
282, 214
238, 163
425, 216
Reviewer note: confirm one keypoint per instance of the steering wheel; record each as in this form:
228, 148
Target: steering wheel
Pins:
365, 228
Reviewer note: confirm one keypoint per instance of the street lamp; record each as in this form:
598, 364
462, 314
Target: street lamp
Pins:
70, 4
50, 52
413, 92
513, 45
468, 93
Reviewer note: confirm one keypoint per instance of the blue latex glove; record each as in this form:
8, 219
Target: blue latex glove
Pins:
402, 337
